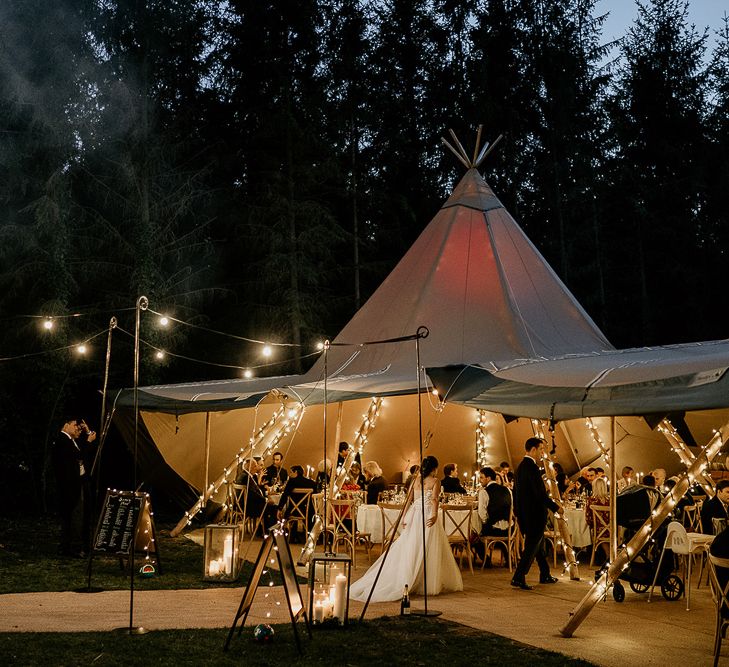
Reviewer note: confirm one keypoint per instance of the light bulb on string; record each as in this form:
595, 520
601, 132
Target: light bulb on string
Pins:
247, 373
320, 345
164, 321
159, 355
267, 351
48, 324
81, 349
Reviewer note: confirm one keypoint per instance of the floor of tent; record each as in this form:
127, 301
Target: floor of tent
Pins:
632, 632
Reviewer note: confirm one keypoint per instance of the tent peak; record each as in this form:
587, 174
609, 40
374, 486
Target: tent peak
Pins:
478, 155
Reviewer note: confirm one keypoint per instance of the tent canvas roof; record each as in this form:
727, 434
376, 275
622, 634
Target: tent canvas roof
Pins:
505, 334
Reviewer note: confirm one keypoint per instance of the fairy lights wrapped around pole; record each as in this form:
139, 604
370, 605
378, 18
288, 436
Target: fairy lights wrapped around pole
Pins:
482, 438
368, 424
598, 440
684, 453
632, 549
571, 564
271, 427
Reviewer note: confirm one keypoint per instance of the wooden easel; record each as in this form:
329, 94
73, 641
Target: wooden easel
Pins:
276, 539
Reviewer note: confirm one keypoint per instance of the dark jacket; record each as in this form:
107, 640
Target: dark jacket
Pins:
66, 457
255, 501
299, 483
452, 485
374, 487
499, 507
531, 502
272, 472
711, 509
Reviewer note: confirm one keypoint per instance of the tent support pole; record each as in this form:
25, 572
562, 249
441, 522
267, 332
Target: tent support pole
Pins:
571, 446
613, 493
206, 493
684, 453
645, 532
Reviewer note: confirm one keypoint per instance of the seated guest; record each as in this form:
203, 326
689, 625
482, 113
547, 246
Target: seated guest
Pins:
715, 508
600, 496
254, 495
450, 482
587, 476
342, 455
659, 474
686, 501
505, 475
626, 478
494, 504
324, 471
563, 483
356, 476
649, 481
275, 475
494, 509
375, 481
414, 470
599, 472
296, 486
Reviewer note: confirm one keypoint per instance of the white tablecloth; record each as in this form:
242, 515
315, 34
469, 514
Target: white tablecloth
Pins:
579, 530
369, 520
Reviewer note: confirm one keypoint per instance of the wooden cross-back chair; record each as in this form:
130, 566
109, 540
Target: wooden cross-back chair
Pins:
298, 508
342, 524
510, 542
600, 529
457, 526
388, 521
719, 579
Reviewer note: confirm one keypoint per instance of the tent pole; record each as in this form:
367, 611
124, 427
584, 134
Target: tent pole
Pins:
206, 493
613, 494
563, 425
327, 473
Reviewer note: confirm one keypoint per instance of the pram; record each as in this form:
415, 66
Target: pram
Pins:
634, 506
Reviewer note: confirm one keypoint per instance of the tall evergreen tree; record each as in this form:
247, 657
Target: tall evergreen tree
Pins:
657, 111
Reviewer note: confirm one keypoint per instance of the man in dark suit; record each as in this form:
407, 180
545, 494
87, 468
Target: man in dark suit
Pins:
450, 482
73, 486
276, 475
715, 508
254, 494
531, 504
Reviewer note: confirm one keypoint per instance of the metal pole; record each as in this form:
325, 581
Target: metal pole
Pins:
326, 479
613, 494
142, 304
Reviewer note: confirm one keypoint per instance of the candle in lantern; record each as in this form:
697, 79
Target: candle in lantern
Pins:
340, 596
213, 568
318, 612
228, 554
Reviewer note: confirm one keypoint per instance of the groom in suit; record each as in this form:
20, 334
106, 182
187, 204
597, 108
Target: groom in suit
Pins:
531, 504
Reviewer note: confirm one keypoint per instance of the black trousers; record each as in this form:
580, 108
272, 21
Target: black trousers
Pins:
533, 548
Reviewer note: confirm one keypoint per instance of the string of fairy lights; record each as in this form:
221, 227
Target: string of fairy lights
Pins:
50, 324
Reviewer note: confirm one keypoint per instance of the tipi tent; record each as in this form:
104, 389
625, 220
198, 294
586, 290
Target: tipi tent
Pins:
505, 336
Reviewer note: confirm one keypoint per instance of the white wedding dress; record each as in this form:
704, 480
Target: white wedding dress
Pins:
404, 564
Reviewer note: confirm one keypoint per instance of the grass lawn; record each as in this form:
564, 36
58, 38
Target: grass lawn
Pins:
28, 562
385, 641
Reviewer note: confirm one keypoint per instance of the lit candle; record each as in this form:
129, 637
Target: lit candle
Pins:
228, 554
213, 568
340, 596
318, 612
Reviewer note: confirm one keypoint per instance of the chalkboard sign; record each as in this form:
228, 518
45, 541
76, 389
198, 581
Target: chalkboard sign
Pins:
276, 540
126, 520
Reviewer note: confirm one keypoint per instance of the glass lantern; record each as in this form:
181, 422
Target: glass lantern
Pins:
222, 552
329, 579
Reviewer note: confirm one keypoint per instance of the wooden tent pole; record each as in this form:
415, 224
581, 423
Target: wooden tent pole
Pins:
640, 539
206, 493
684, 453
568, 438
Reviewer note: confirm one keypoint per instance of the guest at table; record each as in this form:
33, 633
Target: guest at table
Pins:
275, 475
414, 470
715, 508
324, 471
344, 448
254, 495
600, 496
687, 499
649, 481
356, 476
587, 476
296, 485
494, 504
599, 472
506, 477
626, 478
376, 483
563, 483
531, 505
450, 482
659, 474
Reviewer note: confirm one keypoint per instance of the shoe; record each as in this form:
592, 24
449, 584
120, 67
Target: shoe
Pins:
521, 584
549, 579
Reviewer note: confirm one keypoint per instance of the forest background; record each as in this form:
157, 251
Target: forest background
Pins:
257, 168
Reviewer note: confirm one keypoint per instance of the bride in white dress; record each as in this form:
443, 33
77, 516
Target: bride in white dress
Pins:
404, 564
